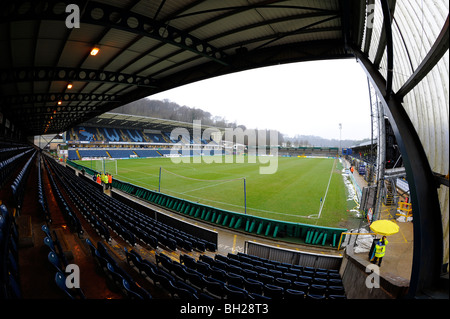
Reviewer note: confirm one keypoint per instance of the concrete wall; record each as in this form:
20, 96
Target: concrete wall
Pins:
354, 275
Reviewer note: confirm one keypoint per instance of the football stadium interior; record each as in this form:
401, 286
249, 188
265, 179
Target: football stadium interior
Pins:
69, 232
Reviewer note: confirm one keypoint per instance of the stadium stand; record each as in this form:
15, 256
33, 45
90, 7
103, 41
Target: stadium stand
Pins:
85, 206
81, 134
93, 153
93, 142
9, 267
236, 276
125, 221
147, 153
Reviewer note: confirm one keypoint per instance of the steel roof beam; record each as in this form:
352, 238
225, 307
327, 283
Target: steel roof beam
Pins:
387, 6
428, 245
25, 99
71, 75
369, 28
387, 22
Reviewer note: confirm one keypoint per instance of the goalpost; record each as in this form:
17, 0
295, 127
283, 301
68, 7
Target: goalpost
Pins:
105, 165
110, 166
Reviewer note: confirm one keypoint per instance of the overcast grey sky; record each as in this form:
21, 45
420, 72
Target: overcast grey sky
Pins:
309, 98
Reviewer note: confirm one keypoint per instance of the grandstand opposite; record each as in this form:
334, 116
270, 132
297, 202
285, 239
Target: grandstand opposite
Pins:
307, 183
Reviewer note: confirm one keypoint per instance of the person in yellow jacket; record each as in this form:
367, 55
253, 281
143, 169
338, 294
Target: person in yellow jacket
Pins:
105, 180
380, 251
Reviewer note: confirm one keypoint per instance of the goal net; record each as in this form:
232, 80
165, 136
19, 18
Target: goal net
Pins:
105, 165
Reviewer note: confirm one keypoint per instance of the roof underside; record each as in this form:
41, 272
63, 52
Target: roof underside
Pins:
150, 46
115, 120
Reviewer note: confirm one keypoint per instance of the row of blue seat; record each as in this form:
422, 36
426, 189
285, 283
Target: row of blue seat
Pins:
275, 267
19, 184
8, 151
259, 283
117, 279
127, 153
42, 198
54, 246
58, 261
99, 227
128, 222
85, 133
282, 274
175, 286
9, 270
69, 215
8, 165
9, 236
223, 285
57, 258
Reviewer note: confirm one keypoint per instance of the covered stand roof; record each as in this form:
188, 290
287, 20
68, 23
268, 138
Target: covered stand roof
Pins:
147, 47
110, 119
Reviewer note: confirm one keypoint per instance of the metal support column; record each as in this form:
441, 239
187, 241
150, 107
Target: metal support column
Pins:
381, 159
427, 257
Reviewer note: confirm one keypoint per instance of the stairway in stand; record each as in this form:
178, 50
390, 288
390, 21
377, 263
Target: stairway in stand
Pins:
390, 192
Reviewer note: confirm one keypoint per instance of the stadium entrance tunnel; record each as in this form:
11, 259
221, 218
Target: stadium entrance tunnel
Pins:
265, 227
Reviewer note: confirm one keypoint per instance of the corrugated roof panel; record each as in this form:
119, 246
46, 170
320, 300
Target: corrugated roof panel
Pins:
117, 3
22, 52
377, 25
105, 55
245, 18
48, 52
85, 33
40, 87
120, 60
57, 86
150, 8
115, 88
204, 11
23, 29
173, 69
143, 45
117, 38
416, 27
141, 64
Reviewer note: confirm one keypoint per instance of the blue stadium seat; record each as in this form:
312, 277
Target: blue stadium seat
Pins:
130, 293
317, 289
233, 292
274, 292
300, 285
294, 294
282, 282
214, 287
54, 261
75, 293
253, 286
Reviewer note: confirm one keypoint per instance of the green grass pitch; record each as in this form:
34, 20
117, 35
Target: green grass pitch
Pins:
292, 194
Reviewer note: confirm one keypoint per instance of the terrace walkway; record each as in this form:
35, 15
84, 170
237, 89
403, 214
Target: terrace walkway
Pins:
399, 252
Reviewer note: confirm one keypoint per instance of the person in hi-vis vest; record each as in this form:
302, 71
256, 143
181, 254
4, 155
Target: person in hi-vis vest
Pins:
379, 251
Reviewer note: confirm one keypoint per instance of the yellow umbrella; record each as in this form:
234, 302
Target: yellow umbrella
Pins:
384, 227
